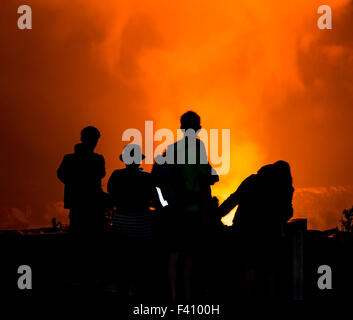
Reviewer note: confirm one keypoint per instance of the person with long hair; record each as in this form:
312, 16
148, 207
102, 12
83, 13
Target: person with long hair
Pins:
264, 203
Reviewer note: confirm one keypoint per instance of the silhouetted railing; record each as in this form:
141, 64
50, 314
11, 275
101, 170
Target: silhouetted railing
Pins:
296, 229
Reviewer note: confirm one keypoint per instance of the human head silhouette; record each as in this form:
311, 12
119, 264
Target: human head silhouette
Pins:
282, 171
277, 173
90, 136
190, 120
132, 155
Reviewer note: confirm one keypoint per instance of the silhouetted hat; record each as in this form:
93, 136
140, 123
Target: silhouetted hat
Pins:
132, 151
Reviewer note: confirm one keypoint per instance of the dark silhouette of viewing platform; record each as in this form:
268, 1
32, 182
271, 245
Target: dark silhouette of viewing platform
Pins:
47, 251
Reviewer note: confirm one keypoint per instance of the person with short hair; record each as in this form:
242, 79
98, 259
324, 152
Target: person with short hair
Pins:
82, 173
190, 177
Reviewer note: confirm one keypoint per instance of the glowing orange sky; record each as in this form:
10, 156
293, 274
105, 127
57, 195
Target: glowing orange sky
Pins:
261, 68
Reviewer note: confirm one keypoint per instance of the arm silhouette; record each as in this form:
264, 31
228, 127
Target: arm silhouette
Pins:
234, 199
64, 170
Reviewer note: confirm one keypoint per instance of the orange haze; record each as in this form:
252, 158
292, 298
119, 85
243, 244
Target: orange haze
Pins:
261, 68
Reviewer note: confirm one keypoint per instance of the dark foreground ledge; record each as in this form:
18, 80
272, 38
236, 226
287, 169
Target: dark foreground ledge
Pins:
51, 255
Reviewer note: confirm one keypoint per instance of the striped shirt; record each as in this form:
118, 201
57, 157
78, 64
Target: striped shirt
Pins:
137, 226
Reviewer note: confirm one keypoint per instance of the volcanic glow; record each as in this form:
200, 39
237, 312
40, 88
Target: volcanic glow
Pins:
260, 68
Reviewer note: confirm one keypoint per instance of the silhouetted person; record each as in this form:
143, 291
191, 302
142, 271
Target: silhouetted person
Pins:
131, 190
264, 206
82, 174
264, 199
190, 177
